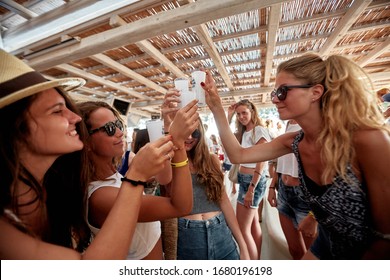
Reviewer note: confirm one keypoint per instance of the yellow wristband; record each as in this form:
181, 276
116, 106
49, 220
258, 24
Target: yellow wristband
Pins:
179, 164
311, 214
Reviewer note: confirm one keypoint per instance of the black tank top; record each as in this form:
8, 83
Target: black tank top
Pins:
341, 208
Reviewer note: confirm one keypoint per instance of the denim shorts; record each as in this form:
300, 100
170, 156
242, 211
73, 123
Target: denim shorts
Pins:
321, 245
290, 202
244, 180
206, 240
226, 166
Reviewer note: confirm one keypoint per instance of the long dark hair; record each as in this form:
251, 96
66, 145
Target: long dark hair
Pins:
141, 139
61, 197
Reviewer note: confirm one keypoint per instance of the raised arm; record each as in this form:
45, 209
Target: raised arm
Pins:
235, 152
116, 234
184, 123
179, 203
373, 154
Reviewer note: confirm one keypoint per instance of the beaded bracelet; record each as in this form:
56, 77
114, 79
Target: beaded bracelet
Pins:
179, 164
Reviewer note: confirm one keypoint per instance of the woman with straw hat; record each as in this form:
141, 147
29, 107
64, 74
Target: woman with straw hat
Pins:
44, 175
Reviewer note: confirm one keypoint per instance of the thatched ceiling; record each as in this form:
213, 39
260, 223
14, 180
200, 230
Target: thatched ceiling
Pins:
135, 49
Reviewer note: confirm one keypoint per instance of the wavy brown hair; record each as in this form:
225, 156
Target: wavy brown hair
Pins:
86, 109
62, 195
349, 102
208, 172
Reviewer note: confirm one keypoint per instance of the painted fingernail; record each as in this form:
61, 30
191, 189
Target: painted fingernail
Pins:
202, 84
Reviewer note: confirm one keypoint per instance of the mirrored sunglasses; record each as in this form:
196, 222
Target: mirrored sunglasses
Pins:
109, 128
281, 92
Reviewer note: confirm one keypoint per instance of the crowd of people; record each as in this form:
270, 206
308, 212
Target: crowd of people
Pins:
71, 189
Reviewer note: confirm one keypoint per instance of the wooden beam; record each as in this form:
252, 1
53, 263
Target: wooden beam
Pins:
147, 47
273, 26
88, 76
18, 9
164, 22
379, 50
344, 25
109, 62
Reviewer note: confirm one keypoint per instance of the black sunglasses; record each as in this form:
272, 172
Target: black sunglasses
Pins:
281, 92
196, 134
109, 128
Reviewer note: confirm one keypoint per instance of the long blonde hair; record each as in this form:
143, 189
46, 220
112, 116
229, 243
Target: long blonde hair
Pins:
257, 121
208, 173
347, 104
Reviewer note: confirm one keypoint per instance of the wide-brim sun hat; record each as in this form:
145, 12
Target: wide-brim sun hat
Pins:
18, 80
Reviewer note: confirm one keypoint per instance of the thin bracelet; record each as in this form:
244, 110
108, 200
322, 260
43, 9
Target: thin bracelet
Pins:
134, 182
166, 132
179, 164
272, 187
257, 172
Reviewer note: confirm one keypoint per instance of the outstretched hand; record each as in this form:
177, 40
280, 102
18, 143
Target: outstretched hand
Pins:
231, 110
185, 122
212, 98
153, 156
170, 107
308, 226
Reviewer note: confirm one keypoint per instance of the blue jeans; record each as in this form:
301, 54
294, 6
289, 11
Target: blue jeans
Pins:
244, 180
206, 240
290, 202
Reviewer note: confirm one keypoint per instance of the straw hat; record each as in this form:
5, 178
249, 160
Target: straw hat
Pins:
18, 80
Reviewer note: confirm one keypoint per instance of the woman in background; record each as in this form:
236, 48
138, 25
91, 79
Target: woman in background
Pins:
251, 176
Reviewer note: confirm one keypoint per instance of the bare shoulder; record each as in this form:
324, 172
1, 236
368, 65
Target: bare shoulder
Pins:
371, 138
286, 139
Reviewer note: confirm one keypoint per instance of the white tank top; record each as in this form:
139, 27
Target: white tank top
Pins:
145, 236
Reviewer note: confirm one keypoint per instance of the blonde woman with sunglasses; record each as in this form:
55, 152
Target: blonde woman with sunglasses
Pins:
343, 152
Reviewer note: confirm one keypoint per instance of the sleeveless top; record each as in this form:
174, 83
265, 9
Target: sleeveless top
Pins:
341, 208
200, 202
287, 164
145, 236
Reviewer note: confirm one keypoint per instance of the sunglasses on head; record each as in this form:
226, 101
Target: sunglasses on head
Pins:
196, 134
281, 92
109, 128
